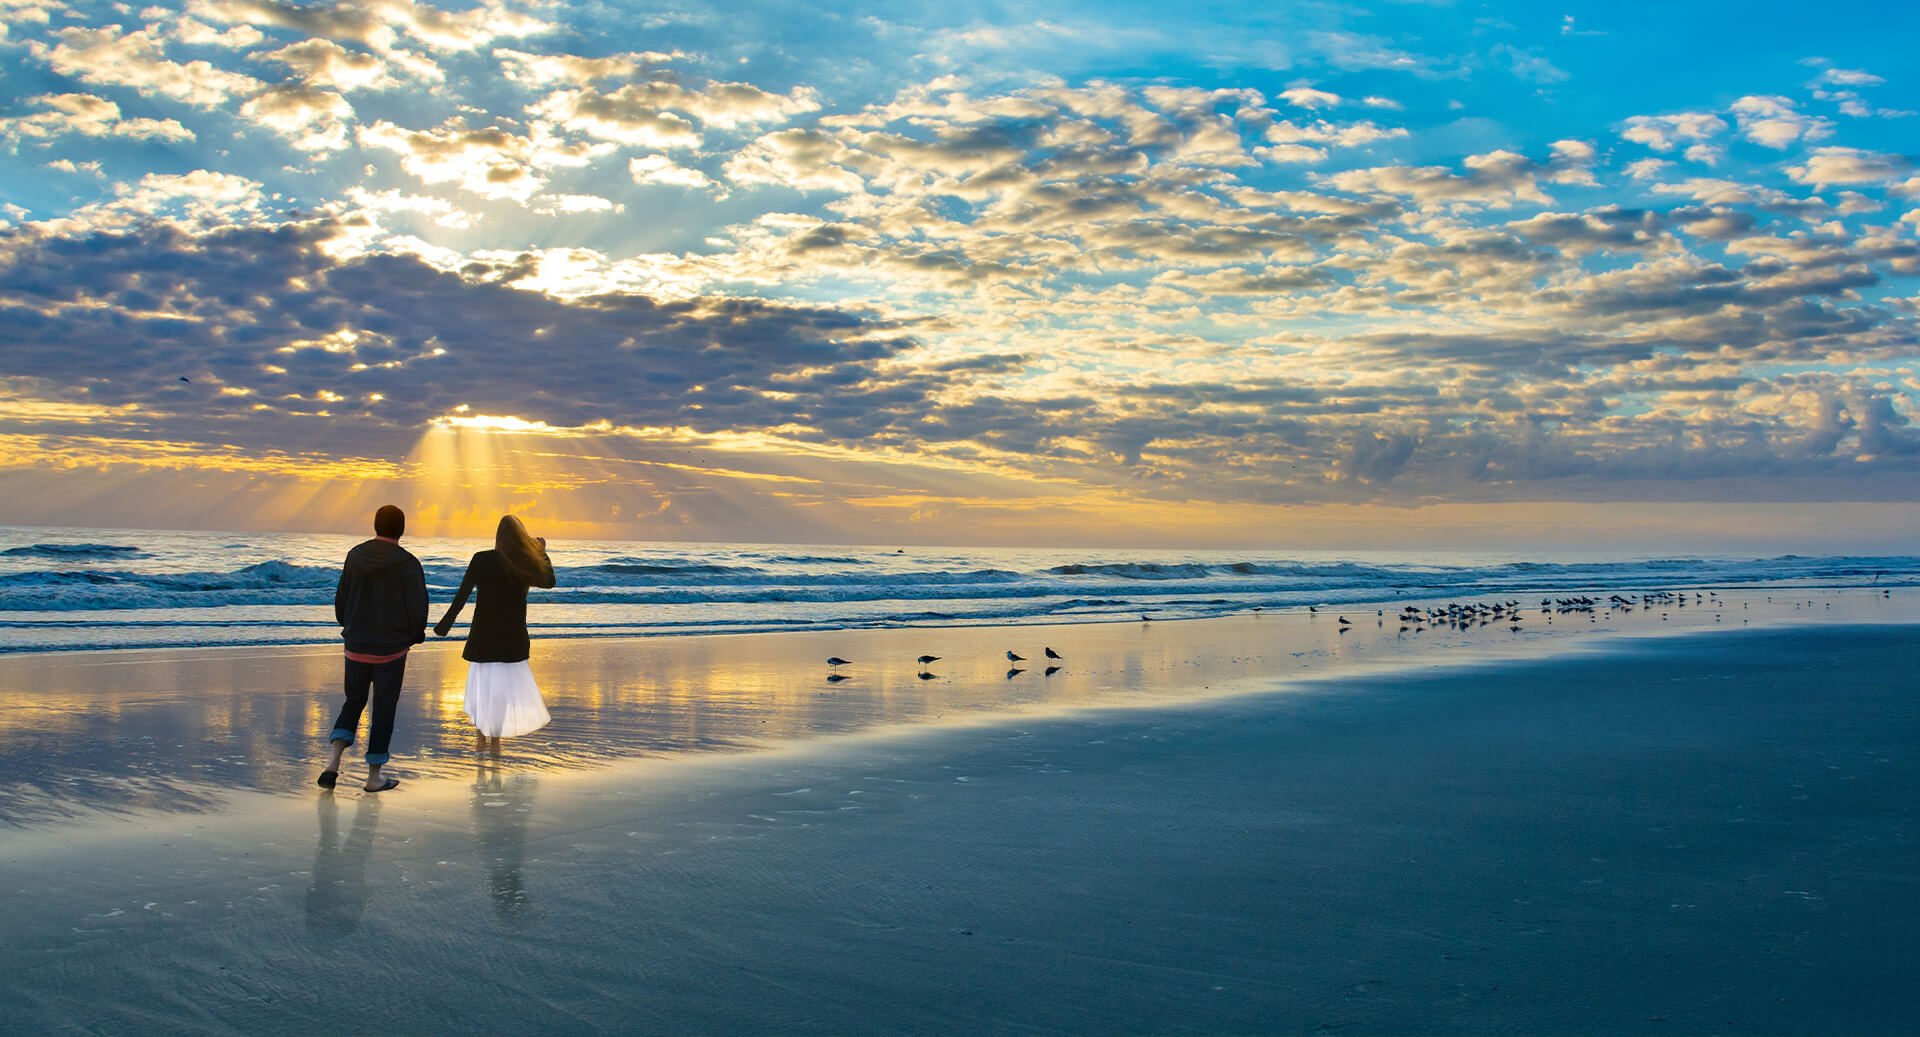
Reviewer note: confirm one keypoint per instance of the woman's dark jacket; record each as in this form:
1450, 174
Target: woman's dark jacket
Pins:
499, 631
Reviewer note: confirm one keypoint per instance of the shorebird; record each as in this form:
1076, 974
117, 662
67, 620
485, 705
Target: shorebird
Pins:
1313, 608
925, 659
1345, 622
1051, 654
1012, 658
835, 662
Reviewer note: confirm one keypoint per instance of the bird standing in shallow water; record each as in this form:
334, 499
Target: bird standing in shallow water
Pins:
925, 659
1051, 654
835, 662
1012, 658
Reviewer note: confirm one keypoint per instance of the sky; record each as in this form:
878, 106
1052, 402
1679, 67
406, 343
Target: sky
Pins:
1619, 276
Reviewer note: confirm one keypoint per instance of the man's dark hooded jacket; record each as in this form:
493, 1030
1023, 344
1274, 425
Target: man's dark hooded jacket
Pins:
381, 602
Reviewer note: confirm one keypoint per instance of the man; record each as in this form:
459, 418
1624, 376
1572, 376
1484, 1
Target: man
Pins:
381, 604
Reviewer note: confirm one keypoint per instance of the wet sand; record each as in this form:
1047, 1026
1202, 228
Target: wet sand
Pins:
1713, 831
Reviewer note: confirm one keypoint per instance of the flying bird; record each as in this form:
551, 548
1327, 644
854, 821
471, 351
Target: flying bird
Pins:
1012, 658
1051, 654
187, 380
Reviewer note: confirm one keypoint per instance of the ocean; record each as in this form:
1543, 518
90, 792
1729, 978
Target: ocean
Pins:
69, 589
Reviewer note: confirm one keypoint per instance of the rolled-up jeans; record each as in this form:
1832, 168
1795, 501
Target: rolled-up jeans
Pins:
384, 678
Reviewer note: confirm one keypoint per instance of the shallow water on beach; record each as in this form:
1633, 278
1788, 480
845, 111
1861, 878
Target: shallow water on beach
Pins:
172, 729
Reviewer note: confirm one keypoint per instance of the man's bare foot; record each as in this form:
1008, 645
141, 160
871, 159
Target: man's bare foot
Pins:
493, 745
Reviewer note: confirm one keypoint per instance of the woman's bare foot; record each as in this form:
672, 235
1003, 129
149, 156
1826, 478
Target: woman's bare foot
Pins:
493, 745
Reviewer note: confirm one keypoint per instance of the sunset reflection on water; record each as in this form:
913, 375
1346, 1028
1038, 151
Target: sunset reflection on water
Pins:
168, 729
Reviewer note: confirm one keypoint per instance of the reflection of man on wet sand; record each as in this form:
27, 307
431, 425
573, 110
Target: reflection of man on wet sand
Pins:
337, 894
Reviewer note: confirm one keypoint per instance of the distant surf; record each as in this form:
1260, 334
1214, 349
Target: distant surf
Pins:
122, 589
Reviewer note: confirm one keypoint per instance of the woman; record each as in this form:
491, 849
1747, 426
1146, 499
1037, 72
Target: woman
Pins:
502, 698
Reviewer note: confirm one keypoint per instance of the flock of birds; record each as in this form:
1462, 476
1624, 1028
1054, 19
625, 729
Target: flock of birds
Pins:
1479, 614
1054, 661
1413, 619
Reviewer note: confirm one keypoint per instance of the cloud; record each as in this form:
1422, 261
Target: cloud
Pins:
1774, 122
566, 204
1527, 65
546, 69
310, 118
324, 64
110, 57
376, 22
665, 114
807, 160
201, 197
1663, 133
659, 169
200, 34
1828, 166
1356, 51
1850, 77
273, 330
1308, 97
1348, 135
87, 116
1498, 178
444, 212
491, 162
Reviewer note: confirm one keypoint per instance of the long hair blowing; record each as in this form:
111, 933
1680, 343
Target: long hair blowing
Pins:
519, 551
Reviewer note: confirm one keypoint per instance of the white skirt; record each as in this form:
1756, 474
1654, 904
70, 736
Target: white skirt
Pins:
503, 700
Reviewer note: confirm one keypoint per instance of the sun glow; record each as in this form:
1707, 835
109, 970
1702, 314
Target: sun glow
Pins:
502, 423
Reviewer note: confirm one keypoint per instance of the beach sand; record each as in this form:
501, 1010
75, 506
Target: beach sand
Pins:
1596, 833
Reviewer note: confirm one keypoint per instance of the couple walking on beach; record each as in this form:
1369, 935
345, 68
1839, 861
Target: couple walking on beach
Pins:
381, 604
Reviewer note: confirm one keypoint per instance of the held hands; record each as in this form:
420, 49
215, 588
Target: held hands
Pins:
442, 627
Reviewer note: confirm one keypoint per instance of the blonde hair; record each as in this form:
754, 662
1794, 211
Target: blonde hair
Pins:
519, 551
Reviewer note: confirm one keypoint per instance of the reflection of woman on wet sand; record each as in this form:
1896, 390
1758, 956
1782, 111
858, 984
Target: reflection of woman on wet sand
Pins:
500, 809
502, 698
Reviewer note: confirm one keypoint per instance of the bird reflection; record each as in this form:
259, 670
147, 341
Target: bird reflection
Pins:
337, 891
501, 805
1015, 672
925, 676
1051, 670
835, 678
